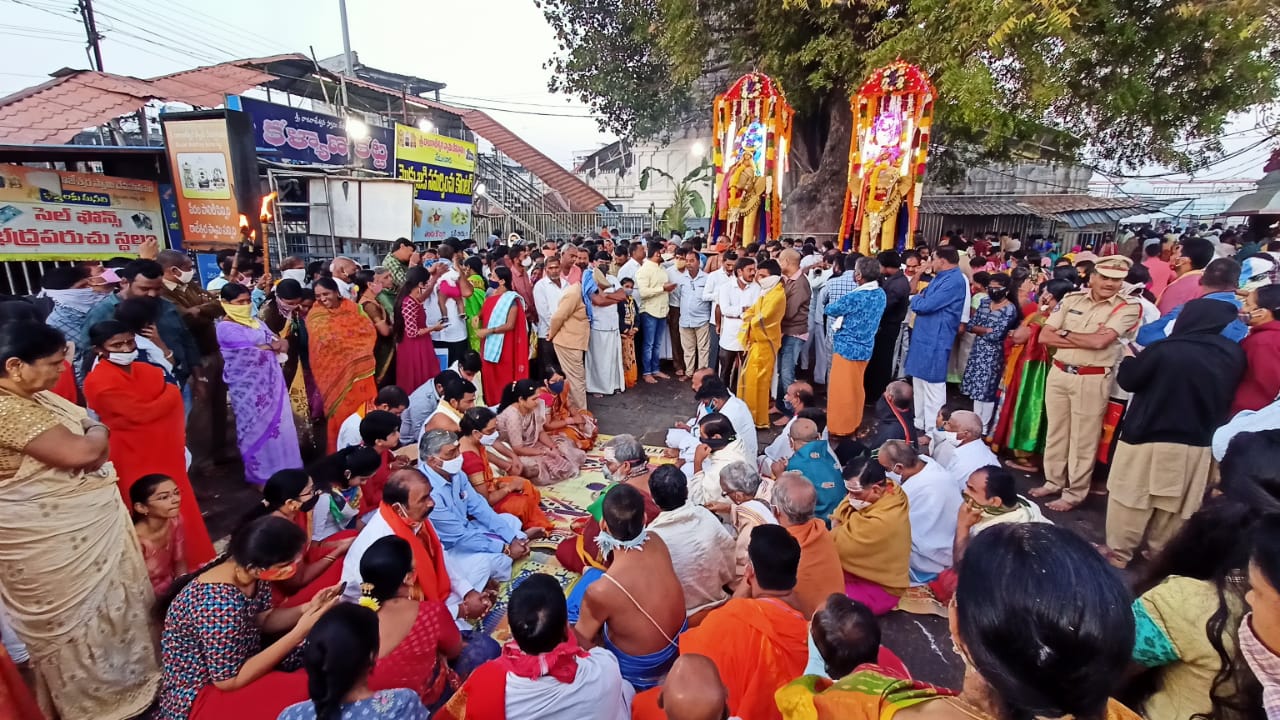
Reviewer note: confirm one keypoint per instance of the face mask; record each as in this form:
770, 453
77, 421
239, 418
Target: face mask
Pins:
896, 477
489, 439
451, 467
79, 299
242, 314
123, 359
950, 438
493, 284
716, 443
556, 387
527, 262
667, 257
857, 504
681, 264
185, 277
997, 293
298, 274
631, 292
767, 283
614, 475
283, 573
310, 503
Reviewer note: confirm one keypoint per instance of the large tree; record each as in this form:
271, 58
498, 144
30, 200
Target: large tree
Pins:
1115, 83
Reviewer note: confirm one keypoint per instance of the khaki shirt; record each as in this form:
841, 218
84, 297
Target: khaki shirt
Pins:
1080, 313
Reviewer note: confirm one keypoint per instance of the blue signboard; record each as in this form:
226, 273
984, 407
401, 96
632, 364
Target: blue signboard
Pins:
169, 211
303, 137
207, 267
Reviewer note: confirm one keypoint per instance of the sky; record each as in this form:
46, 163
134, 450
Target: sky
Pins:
489, 52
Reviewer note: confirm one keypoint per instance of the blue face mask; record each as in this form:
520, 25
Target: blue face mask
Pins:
493, 284
556, 387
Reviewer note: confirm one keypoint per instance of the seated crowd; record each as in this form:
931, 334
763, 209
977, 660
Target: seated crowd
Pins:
719, 577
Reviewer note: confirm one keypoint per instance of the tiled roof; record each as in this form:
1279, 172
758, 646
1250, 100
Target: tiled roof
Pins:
55, 111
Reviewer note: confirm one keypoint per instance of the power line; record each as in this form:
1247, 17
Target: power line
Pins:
140, 18
513, 102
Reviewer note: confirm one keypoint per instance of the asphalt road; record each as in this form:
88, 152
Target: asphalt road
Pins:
922, 641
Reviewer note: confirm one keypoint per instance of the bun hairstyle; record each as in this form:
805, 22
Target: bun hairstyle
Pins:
280, 488
383, 568
339, 653
518, 390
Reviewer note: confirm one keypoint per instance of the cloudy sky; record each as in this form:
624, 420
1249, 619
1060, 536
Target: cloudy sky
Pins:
489, 52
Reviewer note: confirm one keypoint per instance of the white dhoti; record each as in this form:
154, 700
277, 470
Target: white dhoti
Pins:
473, 570
604, 361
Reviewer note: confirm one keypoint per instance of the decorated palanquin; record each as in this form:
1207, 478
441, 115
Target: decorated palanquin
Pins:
892, 117
751, 124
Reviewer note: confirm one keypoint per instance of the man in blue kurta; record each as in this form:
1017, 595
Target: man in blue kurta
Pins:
937, 309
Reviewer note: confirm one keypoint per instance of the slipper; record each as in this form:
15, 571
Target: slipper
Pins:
1021, 467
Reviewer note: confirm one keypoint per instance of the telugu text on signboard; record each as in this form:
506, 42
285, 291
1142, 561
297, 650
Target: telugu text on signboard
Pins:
442, 170
55, 215
200, 160
304, 137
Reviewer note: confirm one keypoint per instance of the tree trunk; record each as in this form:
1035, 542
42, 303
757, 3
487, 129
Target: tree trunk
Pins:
814, 205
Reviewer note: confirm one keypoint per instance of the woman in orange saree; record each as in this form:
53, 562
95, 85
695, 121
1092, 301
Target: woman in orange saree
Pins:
340, 341
507, 494
564, 418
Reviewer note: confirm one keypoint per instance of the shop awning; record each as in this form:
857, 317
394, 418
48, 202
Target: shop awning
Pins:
1077, 210
1265, 200
56, 111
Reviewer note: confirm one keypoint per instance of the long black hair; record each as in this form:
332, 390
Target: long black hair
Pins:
415, 276
1214, 545
339, 653
258, 544
99, 334
280, 488
518, 390
1045, 621
384, 566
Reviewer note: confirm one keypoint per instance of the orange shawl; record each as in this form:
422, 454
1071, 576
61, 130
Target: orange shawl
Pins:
819, 574
428, 555
340, 351
758, 646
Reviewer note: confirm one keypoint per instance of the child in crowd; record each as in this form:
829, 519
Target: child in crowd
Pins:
155, 500
341, 476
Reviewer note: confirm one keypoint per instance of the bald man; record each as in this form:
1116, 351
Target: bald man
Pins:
795, 324
814, 461
971, 452
344, 269
819, 574
693, 690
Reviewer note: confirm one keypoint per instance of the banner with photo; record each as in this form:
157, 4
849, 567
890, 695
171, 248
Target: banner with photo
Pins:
56, 215
442, 170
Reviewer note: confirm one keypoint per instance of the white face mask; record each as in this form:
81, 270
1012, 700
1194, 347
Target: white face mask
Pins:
527, 262
185, 276
767, 283
122, 359
451, 467
950, 438
857, 504
896, 477
298, 274
489, 439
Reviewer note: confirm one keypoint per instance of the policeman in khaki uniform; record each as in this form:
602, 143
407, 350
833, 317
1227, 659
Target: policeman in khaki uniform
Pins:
1086, 329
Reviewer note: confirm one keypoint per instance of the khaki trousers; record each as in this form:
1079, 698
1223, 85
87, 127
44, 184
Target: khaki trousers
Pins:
1074, 407
573, 365
696, 343
1126, 528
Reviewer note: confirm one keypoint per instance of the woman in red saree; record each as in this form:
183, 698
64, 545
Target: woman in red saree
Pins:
147, 423
340, 340
508, 494
417, 636
504, 337
291, 494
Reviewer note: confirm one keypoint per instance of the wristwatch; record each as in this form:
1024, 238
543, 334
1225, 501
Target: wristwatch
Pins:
1064, 332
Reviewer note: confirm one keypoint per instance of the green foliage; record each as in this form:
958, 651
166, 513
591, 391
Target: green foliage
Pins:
1118, 82
686, 198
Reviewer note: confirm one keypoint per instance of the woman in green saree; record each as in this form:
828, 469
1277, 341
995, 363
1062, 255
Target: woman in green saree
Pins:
471, 305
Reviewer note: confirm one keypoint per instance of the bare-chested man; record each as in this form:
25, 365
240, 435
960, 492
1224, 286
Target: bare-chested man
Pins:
636, 609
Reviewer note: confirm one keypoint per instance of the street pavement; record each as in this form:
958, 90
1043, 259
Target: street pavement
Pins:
922, 641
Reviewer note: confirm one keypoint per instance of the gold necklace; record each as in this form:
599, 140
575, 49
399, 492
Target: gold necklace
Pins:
968, 709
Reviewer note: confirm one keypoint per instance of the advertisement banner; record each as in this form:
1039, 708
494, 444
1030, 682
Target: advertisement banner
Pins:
199, 152
55, 215
442, 170
304, 137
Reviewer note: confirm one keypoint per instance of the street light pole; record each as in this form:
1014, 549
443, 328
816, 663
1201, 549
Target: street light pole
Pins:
348, 67
91, 29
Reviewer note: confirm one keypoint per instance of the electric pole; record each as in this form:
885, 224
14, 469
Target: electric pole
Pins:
348, 66
91, 29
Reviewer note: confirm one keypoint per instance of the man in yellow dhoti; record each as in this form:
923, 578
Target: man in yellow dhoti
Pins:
761, 337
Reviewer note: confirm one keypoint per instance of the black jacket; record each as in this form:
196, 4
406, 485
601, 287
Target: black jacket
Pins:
1183, 386
897, 294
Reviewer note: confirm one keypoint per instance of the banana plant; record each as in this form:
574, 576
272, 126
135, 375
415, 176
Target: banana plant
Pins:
686, 198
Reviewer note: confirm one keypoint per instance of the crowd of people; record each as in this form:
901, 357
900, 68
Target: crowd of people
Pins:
399, 422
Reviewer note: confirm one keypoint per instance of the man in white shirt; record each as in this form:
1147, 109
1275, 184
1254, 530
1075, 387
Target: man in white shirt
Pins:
736, 296
934, 506
718, 399
547, 676
711, 293
701, 548
971, 452
632, 265
343, 270
682, 439
546, 296
390, 398
673, 261
695, 312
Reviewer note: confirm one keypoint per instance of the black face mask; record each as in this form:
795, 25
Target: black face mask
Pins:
310, 503
997, 293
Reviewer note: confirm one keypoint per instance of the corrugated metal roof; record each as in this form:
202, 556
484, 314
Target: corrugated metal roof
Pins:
55, 111
1057, 207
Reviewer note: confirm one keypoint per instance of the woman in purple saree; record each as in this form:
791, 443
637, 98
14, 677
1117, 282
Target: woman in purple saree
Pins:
265, 431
